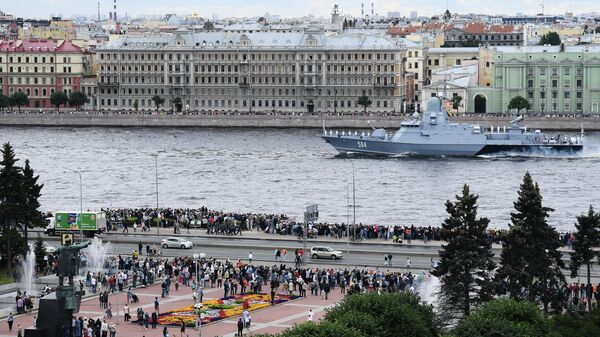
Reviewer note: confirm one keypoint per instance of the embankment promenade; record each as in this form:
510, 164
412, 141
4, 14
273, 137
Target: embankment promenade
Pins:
83, 119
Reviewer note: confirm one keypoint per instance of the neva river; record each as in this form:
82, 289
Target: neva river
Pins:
281, 171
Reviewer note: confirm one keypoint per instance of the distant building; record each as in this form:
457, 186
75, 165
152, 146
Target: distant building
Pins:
413, 15
553, 79
291, 72
41, 67
474, 34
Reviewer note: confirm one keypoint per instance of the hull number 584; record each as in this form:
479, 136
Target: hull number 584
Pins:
362, 145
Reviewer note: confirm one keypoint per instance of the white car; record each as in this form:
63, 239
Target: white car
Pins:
325, 252
173, 242
49, 249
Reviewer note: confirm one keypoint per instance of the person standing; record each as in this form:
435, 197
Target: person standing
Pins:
154, 320
385, 259
250, 258
165, 332
408, 263
156, 305
390, 259
240, 326
10, 321
104, 328
126, 314
310, 315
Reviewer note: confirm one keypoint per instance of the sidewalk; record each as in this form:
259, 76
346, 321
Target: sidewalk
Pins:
268, 320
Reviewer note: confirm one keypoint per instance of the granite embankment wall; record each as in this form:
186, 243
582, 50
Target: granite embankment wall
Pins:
272, 121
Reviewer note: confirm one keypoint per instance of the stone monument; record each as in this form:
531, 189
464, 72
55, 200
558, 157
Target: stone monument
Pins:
56, 309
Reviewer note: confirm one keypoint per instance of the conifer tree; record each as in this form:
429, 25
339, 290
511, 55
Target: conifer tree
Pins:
587, 236
465, 267
530, 260
32, 217
12, 201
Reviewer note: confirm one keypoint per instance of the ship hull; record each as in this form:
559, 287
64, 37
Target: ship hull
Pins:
389, 148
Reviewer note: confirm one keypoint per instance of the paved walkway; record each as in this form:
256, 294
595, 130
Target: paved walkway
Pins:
268, 320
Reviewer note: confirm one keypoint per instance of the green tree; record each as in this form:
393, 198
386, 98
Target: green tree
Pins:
530, 258
597, 30
551, 38
323, 329
158, 101
506, 318
4, 102
32, 217
208, 26
365, 102
58, 98
19, 99
466, 265
40, 252
573, 324
456, 100
12, 206
385, 314
77, 99
178, 104
587, 237
519, 103
135, 104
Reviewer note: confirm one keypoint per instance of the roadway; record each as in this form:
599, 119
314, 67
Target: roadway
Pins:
263, 250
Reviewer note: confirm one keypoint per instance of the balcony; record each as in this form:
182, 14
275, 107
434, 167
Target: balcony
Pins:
244, 85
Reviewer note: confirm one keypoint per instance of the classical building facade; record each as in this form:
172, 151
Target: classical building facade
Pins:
41, 67
554, 79
251, 72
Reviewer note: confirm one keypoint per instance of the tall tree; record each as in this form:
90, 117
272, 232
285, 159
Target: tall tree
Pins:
19, 99
77, 99
519, 103
157, 101
466, 265
456, 100
365, 102
587, 236
12, 200
32, 191
530, 258
58, 98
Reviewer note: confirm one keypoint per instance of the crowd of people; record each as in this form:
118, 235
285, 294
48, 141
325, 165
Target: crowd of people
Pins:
142, 218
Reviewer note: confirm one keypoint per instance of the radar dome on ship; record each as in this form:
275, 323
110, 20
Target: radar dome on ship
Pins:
434, 104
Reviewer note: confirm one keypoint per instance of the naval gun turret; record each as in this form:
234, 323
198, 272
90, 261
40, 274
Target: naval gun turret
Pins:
378, 132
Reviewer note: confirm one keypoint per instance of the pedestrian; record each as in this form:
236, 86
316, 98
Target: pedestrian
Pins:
154, 320
126, 314
183, 328
390, 259
20, 330
140, 247
250, 258
112, 329
165, 332
310, 315
10, 321
432, 263
156, 304
385, 259
240, 326
104, 328
407, 262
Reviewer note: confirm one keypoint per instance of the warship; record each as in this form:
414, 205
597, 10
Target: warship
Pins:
434, 135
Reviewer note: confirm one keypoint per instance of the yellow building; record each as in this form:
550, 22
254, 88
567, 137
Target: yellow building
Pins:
58, 29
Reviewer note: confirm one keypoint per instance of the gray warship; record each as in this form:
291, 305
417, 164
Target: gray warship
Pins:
434, 135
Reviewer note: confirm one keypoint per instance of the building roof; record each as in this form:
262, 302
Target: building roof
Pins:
63, 46
258, 39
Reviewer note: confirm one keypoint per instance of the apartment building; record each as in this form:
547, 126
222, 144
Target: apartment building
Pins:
251, 72
41, 67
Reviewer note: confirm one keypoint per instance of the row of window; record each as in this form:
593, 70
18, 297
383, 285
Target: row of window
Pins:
554, 71
253, 56
34, 59
554, 94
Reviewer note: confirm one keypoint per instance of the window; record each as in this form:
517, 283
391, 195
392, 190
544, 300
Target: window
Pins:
579, 94
579, 83
554, 83
567, 94
530, 83
543, 71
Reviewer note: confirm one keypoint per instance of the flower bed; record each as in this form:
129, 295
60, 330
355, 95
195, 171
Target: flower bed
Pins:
215, 310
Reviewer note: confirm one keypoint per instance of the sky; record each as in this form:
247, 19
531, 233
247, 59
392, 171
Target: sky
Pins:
286, 8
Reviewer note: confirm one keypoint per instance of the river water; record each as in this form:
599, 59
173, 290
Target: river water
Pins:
283, 170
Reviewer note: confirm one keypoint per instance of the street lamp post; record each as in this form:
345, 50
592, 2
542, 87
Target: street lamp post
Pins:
80, 217
156, 183
353, 202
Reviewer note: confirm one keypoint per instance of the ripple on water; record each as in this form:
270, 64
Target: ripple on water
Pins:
284, 170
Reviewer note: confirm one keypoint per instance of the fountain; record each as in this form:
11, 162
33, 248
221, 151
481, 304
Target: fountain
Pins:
428, 287
96, 255
26, 272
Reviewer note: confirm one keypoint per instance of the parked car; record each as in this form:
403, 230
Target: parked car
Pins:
325, 252
173, 242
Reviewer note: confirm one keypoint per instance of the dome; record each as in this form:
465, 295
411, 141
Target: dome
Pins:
434, 104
